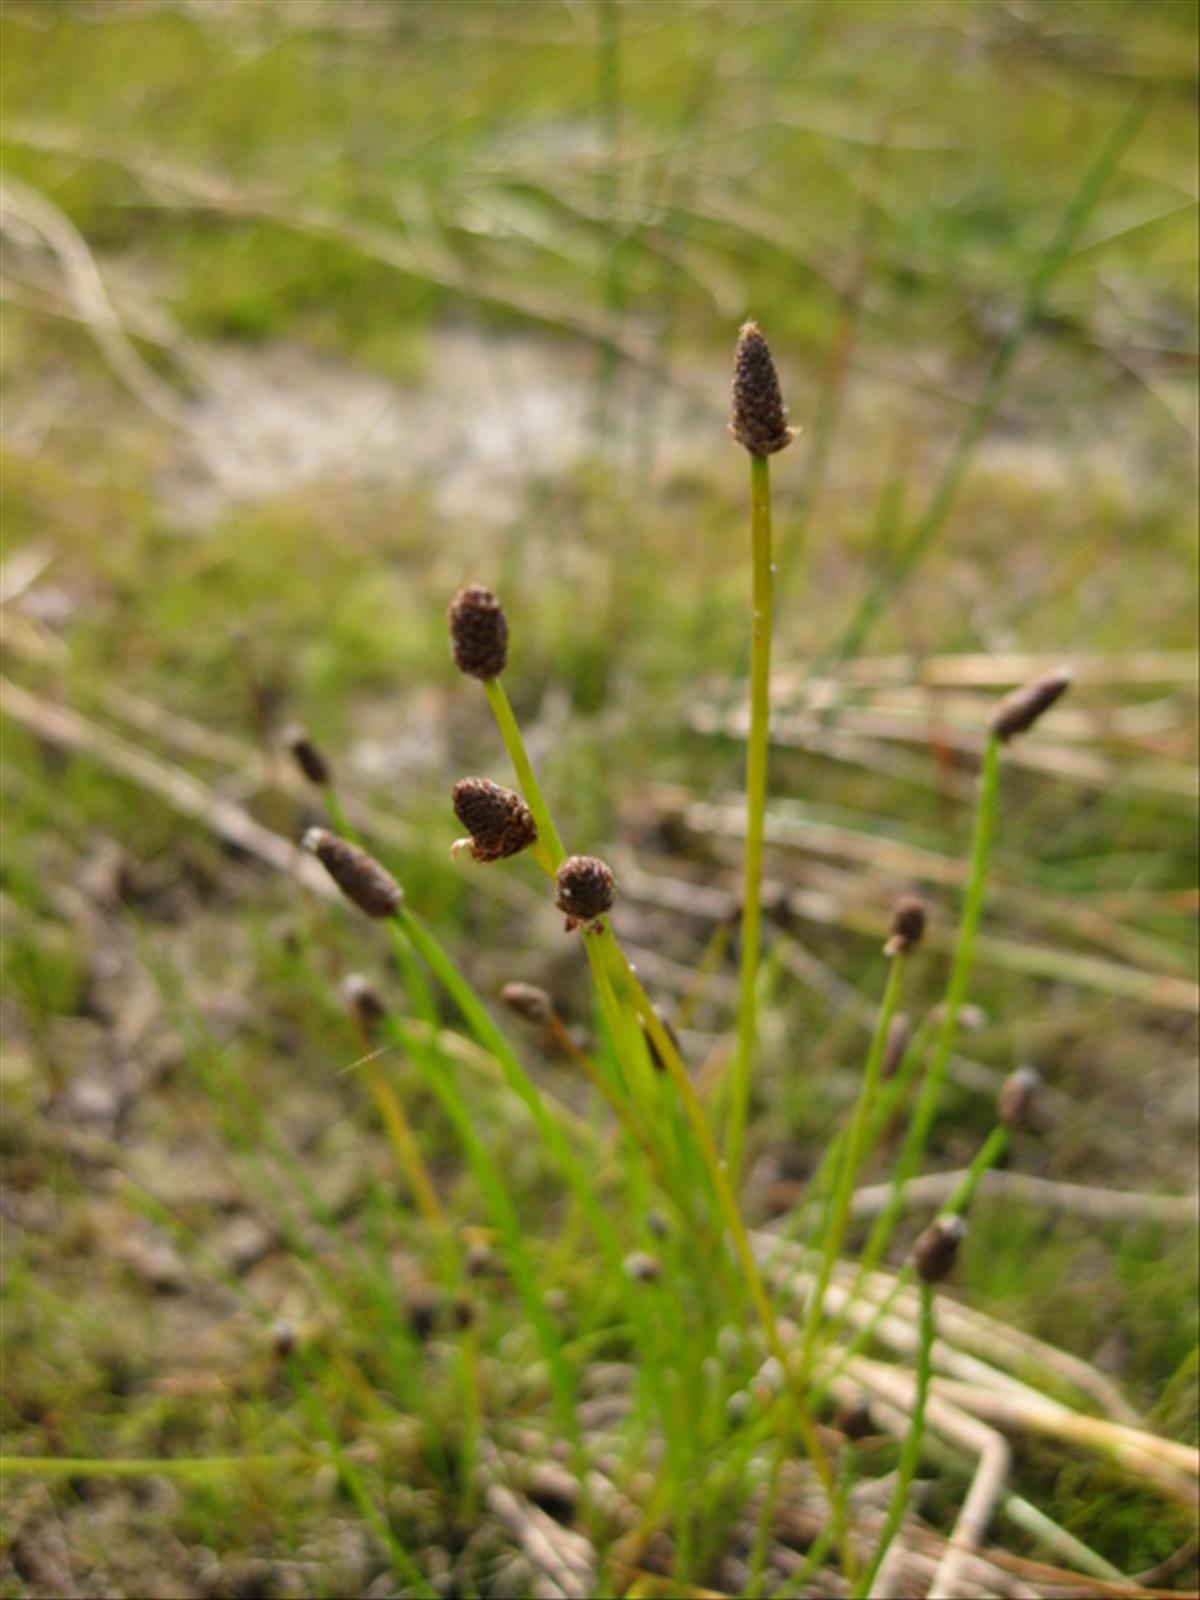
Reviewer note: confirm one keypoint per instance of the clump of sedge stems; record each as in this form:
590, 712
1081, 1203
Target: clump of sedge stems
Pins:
642, 1076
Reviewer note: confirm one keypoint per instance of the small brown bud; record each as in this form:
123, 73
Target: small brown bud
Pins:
759, 417
936, 1250
498, 821
364, 1001
1018, 711
585, 889
855, 1419
283, 1339
528, 1001
642, 1267
479, 1258
308, 758
908, 926
1017, 1103
358, 875
478, 632
898, 1040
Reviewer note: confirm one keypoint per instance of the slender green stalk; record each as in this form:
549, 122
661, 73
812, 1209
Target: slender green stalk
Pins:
510, 732
988, 1154
851, 1161
910, 1455
756, 804
605, 955
956, 993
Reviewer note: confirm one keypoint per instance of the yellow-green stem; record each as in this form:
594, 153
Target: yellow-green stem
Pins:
851, 1159
910, 1454
756, 803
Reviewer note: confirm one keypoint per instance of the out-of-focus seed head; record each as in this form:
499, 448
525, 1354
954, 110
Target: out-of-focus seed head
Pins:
528, 1001
898, 1040
478, 632
908, 927
364, 1001
758, 419
936, 1250
642, 1267
855, 1419
1018, 711
479, 1258
283, 1339
308, 758
586, 889
358, 875
497, 820
1017, 1104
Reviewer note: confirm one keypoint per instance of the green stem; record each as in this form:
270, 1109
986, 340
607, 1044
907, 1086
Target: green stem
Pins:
851, 1161
515, 745
956, 993
911, 1453
756, 803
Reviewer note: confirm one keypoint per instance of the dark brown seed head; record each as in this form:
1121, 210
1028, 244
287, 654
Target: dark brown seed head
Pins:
936, 1250
358, 875
308, 758
1018, 711
908, 926
528, 1001
478, 632
898, 1040
1017, 1103
585, 889
499, 822
855, 1420
283, 1339
364, 1001
759, 417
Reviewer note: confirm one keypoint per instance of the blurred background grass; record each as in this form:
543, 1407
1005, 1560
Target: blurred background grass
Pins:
314, 311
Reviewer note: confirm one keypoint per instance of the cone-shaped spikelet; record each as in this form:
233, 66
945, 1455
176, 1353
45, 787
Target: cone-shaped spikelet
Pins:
936, 1250
308, 758
759, 418
908, 927
585, 889
1018, 711
498, 821
478, 632
358, 875
528, 1001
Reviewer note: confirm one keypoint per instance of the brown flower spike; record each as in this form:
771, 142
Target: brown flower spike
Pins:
759, 418
1018, 711
1017, 1103
498, 821
365, 1002
586, 888
358, 875
908, 927
936, 1250
528, 1001
478, 633
308, 758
